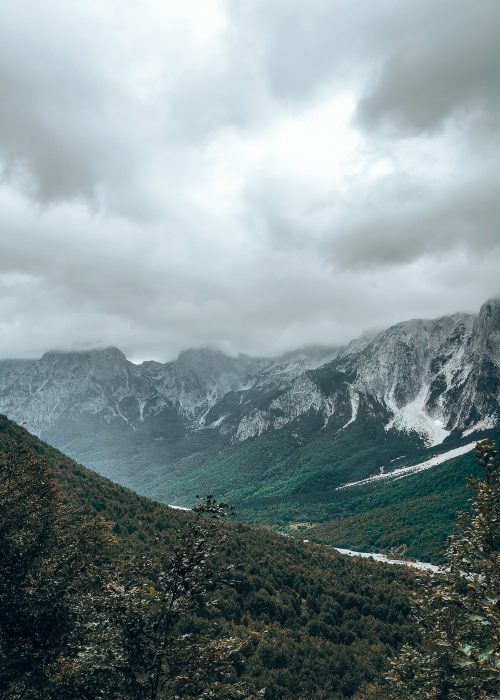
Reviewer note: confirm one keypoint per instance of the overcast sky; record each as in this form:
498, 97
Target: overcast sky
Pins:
255, 175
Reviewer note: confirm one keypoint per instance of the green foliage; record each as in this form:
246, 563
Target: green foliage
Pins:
419, 511
162, 653
80, 619
296, 467
53, 558
291, 475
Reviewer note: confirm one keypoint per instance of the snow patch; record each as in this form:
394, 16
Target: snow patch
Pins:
142, 404
485, 424
415, 468
414, 418
217, 422
354, 397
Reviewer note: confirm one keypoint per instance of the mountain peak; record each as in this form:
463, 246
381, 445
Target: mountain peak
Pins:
491, 307
110, 353
200, 353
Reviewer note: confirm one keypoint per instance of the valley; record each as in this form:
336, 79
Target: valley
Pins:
300, 437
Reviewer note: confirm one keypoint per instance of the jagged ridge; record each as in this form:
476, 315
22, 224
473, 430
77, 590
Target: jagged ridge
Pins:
428, 379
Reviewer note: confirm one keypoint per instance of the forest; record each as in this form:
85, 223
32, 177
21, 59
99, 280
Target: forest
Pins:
105, 594
87, 582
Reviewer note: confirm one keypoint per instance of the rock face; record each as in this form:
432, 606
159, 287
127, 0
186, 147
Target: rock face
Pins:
66, 393
428, 378
424, 378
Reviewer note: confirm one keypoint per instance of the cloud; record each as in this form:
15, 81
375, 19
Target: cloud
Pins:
253, 175
444, 64
56, 105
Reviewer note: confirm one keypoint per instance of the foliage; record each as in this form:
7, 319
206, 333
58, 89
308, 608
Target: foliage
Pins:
49, 561
296, 619
458, 612
79, 622
419, 511
162, 654
291, 475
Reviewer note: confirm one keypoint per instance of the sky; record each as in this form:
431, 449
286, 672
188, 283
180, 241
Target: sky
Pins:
253, 175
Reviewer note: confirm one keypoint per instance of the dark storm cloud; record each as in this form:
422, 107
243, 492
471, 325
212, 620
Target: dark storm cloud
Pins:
444, 63
68, 129
417, 63
396, 234
255, 175
51, 106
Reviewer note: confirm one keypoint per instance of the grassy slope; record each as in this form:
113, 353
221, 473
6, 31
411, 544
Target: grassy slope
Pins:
319, 623
279, 478
291, 474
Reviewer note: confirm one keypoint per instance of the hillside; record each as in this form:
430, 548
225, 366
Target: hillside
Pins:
418, 511
318, 623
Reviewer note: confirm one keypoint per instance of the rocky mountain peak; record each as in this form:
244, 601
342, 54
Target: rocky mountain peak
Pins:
421, 377
486, 332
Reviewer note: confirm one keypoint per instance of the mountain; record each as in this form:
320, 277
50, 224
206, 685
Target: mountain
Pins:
122, 418
316, 624
278, 436
427, 378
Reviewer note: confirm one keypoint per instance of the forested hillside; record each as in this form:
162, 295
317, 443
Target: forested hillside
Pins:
304, 622
418, 511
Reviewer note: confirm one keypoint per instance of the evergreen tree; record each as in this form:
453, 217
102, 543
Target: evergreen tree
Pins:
163, 649
81, 619
458, 609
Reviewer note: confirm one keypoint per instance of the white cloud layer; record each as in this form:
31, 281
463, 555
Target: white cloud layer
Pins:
251, 174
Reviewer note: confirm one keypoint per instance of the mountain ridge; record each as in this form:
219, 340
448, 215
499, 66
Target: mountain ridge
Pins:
261, 427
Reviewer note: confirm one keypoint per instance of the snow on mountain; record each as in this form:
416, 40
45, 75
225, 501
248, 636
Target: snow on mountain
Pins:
427, 377
423, 377
400, 368
62, 387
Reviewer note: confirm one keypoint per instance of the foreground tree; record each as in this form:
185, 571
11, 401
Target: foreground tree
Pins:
458, 610
52, 561
165, 649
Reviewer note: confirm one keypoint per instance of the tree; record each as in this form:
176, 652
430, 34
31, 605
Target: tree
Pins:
164, 649
458, 610
51, 563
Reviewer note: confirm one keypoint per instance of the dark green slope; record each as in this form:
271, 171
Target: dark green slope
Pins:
299, 463
418, 511
160, 449
318, 624
134, 516
290, 475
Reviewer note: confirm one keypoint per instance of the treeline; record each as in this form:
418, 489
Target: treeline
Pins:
106, 594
